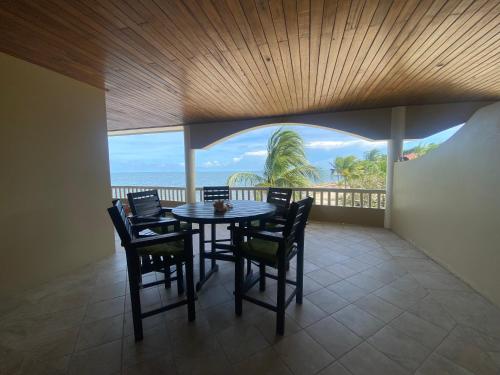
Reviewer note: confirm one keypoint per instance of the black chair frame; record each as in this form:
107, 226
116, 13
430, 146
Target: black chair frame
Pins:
146, 208
290, 244
220, 249
131, 243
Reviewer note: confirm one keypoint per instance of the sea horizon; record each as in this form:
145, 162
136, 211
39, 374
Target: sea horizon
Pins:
177, 179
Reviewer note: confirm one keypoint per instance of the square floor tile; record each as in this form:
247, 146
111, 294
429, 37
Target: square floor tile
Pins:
420, 330
302, 354
364, 360
379, 308
358, 321
400, 348
327, 301
334, 337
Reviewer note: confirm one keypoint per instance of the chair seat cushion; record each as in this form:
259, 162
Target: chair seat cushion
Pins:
258, 248
167, 249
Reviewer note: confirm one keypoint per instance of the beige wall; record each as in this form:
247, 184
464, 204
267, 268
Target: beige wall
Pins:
448, 202
53, 158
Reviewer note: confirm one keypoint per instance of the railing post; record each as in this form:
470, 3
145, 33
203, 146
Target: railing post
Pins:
189, 161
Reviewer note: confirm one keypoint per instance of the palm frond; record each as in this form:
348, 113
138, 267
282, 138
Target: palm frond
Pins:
244, 179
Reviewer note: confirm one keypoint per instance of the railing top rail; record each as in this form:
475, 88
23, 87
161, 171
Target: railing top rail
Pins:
256, 188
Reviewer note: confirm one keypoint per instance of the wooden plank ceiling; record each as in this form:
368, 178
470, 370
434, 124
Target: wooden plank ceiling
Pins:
173, 62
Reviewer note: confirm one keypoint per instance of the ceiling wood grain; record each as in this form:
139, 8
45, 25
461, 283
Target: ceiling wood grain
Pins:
171, 62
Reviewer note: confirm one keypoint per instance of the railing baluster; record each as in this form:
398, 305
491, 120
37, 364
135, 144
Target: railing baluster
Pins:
367, 198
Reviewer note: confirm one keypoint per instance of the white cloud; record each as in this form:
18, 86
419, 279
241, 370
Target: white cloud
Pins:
211, 164
331, 145
256, 153
237, 159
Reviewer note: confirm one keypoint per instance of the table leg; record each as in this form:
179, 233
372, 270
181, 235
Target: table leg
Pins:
213, 238
202, 257
204, 276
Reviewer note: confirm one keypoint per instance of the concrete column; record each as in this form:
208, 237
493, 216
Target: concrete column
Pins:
189, 162
394, 153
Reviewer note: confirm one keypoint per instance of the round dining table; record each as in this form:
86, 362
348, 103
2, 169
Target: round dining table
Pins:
201, 213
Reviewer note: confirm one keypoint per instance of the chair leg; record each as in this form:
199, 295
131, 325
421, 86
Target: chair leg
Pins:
168, 282
180, 278
238, 285
133, 267
300, 272
280, 311
190, 284
262, 277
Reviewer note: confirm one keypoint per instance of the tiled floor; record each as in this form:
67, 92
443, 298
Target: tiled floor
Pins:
373, 305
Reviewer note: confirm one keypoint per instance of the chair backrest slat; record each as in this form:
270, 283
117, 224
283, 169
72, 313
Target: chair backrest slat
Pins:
145, 203
120, 221
297, 218
280, 197
215, 193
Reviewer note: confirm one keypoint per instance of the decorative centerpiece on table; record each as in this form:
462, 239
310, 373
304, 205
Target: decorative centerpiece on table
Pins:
221, 206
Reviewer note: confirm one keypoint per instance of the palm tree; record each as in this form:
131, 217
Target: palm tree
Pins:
286, 164
348, 168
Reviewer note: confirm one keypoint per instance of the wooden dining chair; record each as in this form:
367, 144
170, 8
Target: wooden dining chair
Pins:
212, 194
272, 249
280, 198
145, 205
171, 248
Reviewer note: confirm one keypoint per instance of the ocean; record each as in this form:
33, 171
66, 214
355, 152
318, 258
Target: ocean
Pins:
178, 178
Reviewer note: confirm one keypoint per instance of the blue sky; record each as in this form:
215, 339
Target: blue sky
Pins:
163, 152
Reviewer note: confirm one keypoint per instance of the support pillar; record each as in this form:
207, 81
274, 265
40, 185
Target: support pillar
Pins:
189, 164
394, 153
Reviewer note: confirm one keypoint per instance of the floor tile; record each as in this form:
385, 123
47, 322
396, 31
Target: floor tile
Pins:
401, 299
400, 348
471, 350
104, 359
365, 282
437, 364
365, 360
334, 337
358, 321
341, 270
335, 369
348, 291
377, 307
265, 362
420, 330
240, 341
302, 354
161, 365
327, 301
432, 311
305, 314
105, 309
323, 277
100, 332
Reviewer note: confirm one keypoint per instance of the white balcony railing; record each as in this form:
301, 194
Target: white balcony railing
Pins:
360, 198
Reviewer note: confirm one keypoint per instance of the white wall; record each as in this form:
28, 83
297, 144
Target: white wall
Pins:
54, 175
448, 202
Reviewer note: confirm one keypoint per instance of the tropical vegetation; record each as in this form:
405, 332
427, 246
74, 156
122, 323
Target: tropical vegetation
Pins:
366, 173
286, 164
370, 172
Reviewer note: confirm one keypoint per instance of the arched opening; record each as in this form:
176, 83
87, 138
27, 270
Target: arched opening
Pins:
325, 149
415, 148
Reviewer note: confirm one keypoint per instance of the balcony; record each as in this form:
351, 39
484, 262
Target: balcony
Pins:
400, 281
